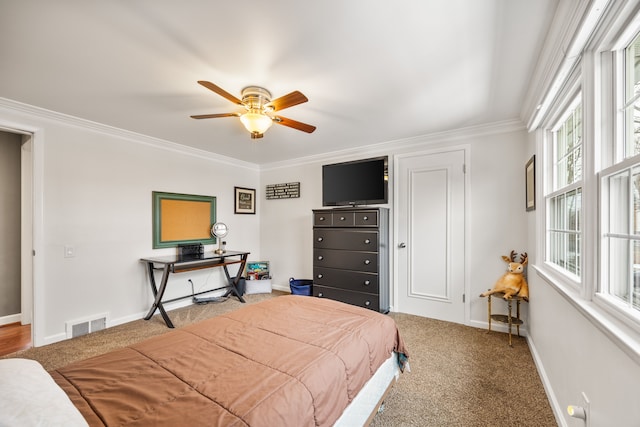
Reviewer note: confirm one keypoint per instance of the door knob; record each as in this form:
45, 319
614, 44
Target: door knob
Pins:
402, 245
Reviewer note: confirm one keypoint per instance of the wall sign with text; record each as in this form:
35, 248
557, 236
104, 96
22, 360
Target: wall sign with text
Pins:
290, 190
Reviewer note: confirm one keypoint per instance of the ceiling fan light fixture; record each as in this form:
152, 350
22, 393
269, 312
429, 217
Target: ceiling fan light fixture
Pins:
256, 122
259, 106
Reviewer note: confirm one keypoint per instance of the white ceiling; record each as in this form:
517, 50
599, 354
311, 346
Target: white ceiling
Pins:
374, 71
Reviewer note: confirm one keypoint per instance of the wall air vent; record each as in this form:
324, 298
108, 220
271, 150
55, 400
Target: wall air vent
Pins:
79, 327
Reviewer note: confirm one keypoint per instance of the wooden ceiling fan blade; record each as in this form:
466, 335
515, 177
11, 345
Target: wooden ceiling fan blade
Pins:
294, 124
213, 116
286, 101
220, 91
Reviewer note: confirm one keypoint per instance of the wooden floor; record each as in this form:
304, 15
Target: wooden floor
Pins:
14, 337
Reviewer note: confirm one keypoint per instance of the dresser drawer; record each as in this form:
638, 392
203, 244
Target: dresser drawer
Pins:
354, 240
366, 219
322, 219
345, 279
337, 218
343, 219
346, 260
355, 298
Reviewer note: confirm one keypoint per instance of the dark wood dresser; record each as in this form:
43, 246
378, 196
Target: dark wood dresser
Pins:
351, 256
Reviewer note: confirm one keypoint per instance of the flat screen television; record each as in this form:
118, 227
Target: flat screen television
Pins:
359, 182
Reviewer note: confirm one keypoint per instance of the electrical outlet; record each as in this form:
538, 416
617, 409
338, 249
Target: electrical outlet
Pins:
69, 251
587, 409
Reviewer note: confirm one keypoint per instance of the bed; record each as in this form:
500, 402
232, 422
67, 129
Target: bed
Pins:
287, 361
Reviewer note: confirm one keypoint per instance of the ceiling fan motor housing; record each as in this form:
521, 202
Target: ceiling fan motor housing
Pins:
255, 97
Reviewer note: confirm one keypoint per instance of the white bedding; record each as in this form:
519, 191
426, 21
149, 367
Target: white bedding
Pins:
368, 398
30, 397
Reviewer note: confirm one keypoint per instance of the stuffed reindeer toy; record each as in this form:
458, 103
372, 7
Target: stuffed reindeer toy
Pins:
513, 281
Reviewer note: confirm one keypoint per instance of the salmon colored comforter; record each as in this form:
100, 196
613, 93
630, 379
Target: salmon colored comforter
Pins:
288, 361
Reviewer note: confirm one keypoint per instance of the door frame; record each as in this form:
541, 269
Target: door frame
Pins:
32, 235
466, 149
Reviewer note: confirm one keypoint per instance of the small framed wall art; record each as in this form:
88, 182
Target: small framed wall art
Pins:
244, 200
530, 177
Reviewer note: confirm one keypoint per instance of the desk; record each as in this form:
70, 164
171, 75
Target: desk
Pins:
180, 264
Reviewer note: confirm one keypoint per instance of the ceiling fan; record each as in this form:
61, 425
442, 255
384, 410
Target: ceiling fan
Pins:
260, 108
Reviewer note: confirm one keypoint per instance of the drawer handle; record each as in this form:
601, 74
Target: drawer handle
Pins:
320, 294
319, 276
367, 262
321, 218
320, 239
367, 241
367, 303
320, 258
342, 218
367, 282
366, 218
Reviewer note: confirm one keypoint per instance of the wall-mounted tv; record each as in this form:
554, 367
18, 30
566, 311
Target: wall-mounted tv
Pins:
359, 182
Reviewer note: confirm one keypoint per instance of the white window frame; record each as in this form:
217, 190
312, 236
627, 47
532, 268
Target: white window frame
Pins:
558, 190
603, 294
572, 99
615, 162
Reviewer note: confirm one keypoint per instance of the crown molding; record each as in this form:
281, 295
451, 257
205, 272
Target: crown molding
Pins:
135, 137
573, 25
406, 144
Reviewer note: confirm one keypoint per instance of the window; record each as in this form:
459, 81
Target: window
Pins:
631, 105
620, 196
564, 200
589, 144
623, 237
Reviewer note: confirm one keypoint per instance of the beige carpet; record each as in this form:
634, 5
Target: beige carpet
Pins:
460, 376
464, 376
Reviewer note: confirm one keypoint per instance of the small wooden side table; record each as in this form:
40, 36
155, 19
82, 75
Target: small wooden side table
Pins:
507, 319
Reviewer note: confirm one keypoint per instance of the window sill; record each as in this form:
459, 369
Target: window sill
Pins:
627, 338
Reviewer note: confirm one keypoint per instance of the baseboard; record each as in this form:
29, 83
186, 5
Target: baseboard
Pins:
558, 410
137, 316
52, 339
280, 288
13, 318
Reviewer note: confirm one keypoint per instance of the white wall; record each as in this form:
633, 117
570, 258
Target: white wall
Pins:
286, 235
574, 357
497, 219
497, 214
95, 189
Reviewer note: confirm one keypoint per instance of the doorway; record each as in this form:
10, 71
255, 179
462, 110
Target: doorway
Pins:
430, 252
18, 265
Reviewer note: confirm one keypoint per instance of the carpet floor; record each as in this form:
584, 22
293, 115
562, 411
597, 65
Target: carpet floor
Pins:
460, 376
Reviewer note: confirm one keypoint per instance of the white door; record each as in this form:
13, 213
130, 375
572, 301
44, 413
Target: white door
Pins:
430, 252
